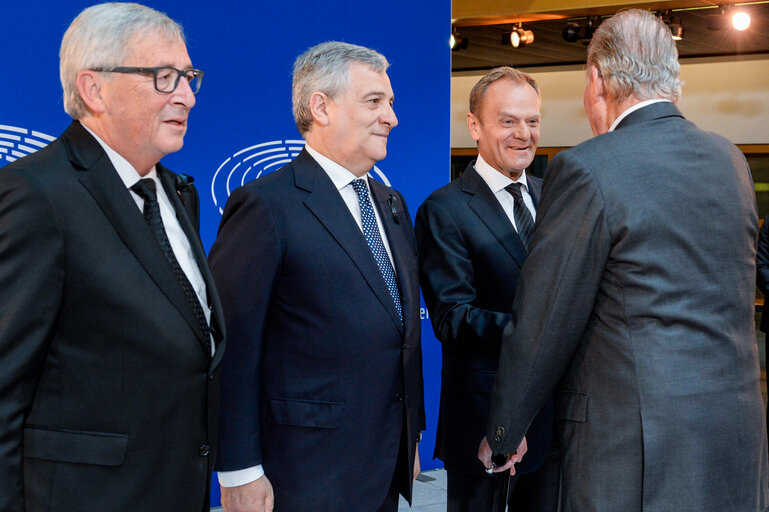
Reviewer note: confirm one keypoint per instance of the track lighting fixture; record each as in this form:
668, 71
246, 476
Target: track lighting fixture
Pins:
576, 33
457, 42
518, 37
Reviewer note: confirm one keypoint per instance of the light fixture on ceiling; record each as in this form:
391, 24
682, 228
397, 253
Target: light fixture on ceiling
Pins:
740, 20
575, 33
457, 42
674, 24
729, 16
518, 37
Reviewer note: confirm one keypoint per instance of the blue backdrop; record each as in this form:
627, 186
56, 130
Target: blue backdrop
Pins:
242, 125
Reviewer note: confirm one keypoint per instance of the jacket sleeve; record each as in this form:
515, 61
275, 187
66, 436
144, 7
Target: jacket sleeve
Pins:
554, 299
245, 261
447, 277
31, 280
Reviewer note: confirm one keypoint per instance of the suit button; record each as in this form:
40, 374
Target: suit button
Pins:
399, 397
405, 347
498, 434
211, 377
204, 450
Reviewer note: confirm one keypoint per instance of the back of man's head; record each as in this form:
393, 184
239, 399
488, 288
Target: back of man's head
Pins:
326, 68
100, 37
636, 56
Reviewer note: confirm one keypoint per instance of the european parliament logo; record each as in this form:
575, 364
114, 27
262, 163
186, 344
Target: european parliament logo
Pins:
16, 142
254, 161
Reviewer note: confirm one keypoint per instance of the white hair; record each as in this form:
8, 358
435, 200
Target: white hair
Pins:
636, 55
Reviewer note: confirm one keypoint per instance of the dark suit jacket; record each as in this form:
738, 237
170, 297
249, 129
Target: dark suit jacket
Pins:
108, 393
636, 302
470, 257
320, 377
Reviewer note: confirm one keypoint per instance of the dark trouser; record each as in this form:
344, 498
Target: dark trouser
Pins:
533, 492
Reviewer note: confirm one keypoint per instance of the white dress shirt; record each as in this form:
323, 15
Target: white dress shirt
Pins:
176, 236
342, 179
497, 183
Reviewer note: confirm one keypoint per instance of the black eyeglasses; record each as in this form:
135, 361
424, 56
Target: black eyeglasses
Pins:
166, 77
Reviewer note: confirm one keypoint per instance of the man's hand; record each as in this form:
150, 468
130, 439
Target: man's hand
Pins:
255, 496
484, 455
417, 467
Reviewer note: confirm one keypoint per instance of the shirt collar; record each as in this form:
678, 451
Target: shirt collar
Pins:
495, 179
127, 172
338, 174
633, 109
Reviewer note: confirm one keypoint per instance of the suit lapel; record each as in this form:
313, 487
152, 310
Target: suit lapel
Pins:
167, 178
398, 242
103, 183
325, 203
488, 209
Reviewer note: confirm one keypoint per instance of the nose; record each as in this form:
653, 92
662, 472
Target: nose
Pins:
183, 94
521, 130
388, 117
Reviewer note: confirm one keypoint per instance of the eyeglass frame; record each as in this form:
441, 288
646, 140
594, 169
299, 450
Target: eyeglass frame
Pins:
196, 73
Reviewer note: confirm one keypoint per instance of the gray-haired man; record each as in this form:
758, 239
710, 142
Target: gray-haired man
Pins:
636, 301
322, 389
108, 347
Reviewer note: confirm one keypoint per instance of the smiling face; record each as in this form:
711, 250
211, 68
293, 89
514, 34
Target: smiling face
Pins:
140, 123
360, 120
507, 126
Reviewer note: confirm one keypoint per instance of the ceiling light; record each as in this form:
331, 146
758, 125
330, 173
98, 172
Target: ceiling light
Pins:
576, 33
740, 20
674, 24
457, 42
518, 37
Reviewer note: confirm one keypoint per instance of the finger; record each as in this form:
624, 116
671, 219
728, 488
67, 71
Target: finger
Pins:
508, 465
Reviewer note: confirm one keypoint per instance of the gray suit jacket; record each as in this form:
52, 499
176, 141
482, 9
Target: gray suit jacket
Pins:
636, 304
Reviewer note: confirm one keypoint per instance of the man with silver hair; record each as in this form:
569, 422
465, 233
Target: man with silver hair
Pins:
636, 302
322, 386
108, 344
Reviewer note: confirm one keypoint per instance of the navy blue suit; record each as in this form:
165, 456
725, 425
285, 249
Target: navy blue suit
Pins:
470, 258
322, 384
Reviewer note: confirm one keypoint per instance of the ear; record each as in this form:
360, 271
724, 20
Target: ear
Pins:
319, 104
596, 85
89, 85
474, 125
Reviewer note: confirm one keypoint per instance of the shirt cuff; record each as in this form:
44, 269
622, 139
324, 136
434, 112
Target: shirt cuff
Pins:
240, 477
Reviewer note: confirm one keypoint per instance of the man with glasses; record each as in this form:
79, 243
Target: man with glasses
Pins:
110, 327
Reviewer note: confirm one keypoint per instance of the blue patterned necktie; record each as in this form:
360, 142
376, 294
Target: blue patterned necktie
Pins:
523, 220
145, 188
374, 239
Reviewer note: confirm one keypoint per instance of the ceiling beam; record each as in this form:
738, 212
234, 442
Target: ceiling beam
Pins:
493, 12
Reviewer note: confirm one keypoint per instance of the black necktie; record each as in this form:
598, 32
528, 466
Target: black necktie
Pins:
523, 220
145, 188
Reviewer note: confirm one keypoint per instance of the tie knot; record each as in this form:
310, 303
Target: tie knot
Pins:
515, 190
145, 188
360, 187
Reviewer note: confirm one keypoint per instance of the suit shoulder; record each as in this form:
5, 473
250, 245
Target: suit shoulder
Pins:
447, 193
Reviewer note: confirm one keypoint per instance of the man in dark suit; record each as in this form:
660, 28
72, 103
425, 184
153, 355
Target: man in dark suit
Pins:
636, 301
108, 388
472, 237
317, 267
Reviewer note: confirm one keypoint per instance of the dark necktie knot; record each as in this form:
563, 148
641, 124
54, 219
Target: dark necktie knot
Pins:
145, 188
515, 190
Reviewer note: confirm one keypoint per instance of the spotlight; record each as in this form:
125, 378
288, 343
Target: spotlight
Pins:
740, 20
518, 37
457, 42
674, 24
576, 33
